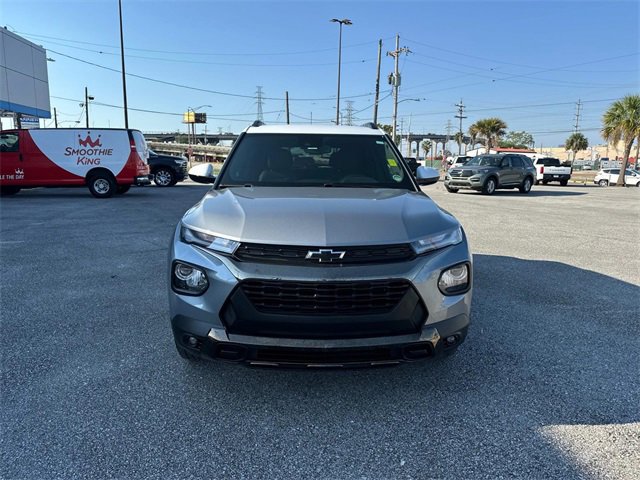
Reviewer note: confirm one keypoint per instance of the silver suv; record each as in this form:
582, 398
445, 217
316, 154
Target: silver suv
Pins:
487, 173
316, 247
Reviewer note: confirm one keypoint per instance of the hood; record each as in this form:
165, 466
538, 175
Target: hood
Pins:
318, 216
477, 169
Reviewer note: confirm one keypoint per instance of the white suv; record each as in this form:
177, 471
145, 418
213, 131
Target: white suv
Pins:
609, 176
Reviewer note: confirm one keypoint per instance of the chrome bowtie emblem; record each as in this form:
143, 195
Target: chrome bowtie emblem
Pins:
325, 255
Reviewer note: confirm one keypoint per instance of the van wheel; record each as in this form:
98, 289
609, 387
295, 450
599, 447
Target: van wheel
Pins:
526, 185
123, 188
164, 177
6, 191
489, 186
102, 185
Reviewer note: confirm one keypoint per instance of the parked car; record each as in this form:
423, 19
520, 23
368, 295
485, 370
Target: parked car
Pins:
487, 173
106, 161
609, 176
316, 246
413, 164
551, 170
459, 161
167, 170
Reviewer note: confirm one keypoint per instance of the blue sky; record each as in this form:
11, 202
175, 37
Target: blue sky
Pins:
525, 62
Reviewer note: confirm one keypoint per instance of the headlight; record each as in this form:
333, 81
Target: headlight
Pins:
440, 240
188, 279
454, 280
218, 244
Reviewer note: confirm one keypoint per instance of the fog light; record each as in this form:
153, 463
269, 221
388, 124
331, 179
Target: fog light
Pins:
188, 279
193, 341
454, 280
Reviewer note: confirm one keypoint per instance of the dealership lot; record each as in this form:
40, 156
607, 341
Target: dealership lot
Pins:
546, 384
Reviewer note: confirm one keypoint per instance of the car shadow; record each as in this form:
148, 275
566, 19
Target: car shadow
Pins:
532, 193
542, 352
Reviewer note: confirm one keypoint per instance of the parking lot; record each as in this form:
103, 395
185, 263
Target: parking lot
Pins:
546, 385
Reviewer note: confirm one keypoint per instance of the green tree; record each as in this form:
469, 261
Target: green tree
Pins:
622, 122
515, 139
490, 129
459, 138
575, 143
388, 129
426, 146
473, 134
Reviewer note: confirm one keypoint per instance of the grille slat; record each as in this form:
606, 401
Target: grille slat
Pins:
282, 297
264, 253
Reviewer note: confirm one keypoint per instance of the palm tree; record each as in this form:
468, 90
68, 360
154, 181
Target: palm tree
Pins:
622, 122
459, 138
426, 146
575, 143
473, 134
491, 129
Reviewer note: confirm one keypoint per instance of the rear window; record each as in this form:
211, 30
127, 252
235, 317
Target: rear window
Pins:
141, 144
549, 162
295, 160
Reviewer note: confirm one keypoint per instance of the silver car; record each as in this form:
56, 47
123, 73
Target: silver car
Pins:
316, 247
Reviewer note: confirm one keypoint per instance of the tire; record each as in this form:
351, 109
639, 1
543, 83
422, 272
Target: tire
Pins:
102, 185
123, 189
164, 177
537, 182
451, 190
6, 191
544, 182
603, 183
526, 185
489, 186
186, 354
564, 182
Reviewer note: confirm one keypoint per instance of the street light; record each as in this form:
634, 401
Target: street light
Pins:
189, 109
344, 21
395, 126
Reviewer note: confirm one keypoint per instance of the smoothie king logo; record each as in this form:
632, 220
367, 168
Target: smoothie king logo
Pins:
89, 151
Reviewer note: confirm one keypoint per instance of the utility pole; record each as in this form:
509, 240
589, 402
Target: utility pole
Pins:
448, 127
394, 79
349, 112
86, 106
409, 136
576, 126
375, 104
124, 75
259, 101
55, 117
460, 116
286, 104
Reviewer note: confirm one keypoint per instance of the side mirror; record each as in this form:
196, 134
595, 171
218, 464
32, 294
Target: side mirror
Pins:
427, 175
202, 173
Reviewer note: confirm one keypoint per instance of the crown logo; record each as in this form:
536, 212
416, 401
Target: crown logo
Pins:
89, 142
19, 171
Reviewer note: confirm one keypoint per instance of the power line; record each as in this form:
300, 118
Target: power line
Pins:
215, 92
225, 54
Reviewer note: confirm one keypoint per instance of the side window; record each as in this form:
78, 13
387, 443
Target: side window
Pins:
9, 142
506, 161
615, 171
517, 162
395, 170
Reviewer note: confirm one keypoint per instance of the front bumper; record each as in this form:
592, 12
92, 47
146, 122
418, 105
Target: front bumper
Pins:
142, 180
474, 183
202, 327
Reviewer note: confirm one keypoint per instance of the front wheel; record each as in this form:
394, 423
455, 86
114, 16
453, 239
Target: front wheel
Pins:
526, 185
603, 183
102, 185
451, 190
489, 186
164, 177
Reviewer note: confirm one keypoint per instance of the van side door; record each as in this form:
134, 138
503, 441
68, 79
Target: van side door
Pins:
11, 159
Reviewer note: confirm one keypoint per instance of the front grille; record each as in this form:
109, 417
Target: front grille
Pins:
461, 173
325, 298
291, 254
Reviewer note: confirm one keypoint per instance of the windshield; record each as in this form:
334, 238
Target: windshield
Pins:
484, 160
294, 160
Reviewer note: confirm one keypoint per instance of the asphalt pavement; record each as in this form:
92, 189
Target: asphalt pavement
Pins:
545, 386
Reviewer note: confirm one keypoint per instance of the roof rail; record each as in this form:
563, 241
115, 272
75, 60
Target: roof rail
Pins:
370, 125
257, 123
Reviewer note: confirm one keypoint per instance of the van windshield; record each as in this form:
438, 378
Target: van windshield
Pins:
294, 160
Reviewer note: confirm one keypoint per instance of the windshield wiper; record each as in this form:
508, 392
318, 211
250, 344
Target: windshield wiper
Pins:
247, 185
